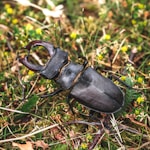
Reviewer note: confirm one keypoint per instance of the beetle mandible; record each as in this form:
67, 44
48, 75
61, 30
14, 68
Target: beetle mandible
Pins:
86, 85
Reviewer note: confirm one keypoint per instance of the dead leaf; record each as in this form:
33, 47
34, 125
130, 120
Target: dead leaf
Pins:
110, 14
41, 143
146, 14
57, 133
42, 88
14, 67
124, 4
27, 146
4, 28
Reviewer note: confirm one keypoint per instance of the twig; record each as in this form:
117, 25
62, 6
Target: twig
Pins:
136, 122
143, 145
12, 110
115, 126
83, 122
97, 138
132, 55
118, 50
132, 130
29, 135
20, 80
32, 87
101, 132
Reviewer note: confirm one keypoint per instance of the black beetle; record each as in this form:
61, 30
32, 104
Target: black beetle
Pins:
86, 85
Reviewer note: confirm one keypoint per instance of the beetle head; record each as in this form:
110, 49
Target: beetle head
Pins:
51, 70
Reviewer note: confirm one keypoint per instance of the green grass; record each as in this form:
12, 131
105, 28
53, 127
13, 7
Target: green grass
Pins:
88, 29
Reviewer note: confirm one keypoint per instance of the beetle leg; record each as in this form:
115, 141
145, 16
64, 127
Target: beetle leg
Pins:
85, 61
91, 113
100, 68
52, 94
70, 105
111, 76
125, 84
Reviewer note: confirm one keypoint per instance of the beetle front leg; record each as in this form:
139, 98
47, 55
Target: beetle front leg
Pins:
52, 94
70, 105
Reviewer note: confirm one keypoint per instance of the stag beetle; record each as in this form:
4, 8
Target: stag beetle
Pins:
86, 85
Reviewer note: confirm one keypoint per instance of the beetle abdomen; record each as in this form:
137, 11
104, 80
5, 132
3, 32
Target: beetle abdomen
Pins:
97, 92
